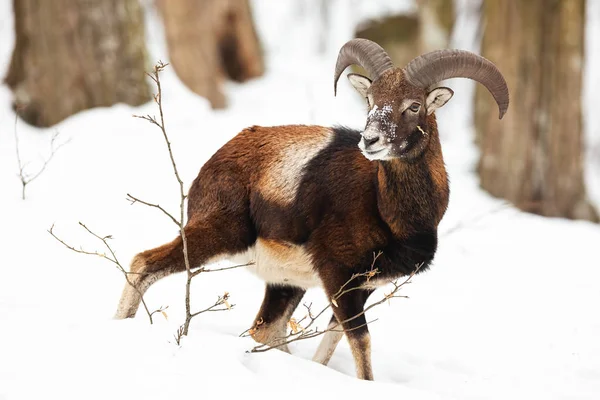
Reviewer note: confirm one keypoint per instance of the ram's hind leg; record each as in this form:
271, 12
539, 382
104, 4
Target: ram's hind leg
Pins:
140, 279
208, 240
331, 338
270, 325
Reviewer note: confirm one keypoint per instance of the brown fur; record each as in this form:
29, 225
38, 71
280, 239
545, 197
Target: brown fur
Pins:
270, 325
361, 350
308, 191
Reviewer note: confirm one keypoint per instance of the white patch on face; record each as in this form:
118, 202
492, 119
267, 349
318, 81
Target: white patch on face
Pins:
372, 132
379, 120
377, 113
280, 263
380, 155
383, 118
281, 180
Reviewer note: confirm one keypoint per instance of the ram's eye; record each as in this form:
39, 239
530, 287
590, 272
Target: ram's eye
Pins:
415, 107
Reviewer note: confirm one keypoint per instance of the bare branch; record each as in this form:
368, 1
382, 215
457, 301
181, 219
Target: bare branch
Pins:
26, 177
160, 310
202, 270
221, 301
158, 99
112, 258
104, 240
178, 335
134, 200
21, 166
53, 149
160, 123
303, 332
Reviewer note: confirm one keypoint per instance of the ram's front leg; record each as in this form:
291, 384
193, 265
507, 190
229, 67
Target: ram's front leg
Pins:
349, 310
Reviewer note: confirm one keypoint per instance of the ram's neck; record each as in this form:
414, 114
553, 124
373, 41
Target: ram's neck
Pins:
413, 197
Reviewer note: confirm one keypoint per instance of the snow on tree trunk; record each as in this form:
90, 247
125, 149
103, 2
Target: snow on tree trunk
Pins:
534, 156
72, 55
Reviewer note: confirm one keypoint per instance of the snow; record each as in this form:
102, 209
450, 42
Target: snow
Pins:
508, 310
590, 89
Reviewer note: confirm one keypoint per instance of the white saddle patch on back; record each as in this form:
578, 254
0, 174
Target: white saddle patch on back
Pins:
280, 263
282, 176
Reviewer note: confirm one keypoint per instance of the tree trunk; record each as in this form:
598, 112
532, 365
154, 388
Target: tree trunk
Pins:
71, 55
210, 40
436, 23
405, 37
534, 156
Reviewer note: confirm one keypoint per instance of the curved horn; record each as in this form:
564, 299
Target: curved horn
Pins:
430, 68
365, 53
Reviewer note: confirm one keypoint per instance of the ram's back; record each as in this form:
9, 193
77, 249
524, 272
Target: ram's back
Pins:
288, 177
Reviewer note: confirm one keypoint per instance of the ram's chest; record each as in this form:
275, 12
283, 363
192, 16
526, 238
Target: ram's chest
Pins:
281, 263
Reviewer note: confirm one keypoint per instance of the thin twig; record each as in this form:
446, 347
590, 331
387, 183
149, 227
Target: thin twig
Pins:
203, 270
161, 310
112, 258
160, 123
53, 151
221, 300
299, 332
25, 177
178, 335
134, 200
21, 166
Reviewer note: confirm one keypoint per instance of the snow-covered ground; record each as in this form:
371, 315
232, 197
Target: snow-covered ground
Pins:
508, 311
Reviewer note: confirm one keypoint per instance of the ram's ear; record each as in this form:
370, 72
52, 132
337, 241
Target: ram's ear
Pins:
437, 98
360, 83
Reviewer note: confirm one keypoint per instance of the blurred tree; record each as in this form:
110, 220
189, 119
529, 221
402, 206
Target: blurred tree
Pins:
71, 55
534, 156
436, 19
407, 36
209, 40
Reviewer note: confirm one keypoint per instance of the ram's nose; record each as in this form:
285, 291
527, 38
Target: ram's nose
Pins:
370, 141
371, 138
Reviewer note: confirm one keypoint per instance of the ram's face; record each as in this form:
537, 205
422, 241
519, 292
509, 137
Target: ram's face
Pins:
397, 120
